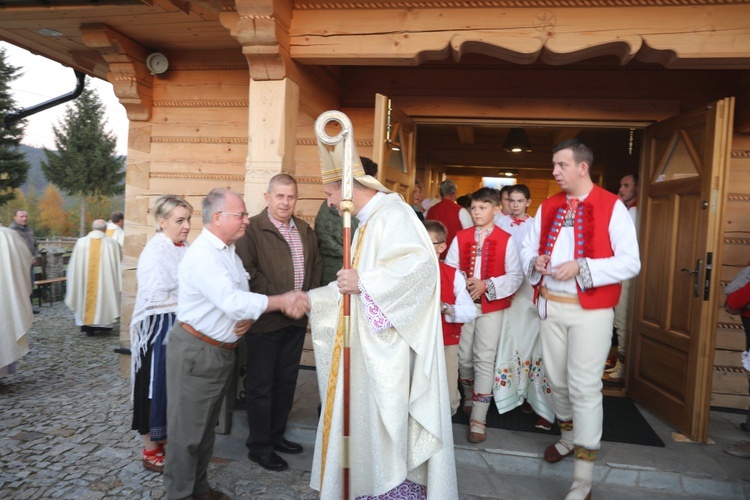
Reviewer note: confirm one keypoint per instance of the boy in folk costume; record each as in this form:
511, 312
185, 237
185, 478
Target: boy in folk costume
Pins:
456, 308
581, 247
520, 377
491, 262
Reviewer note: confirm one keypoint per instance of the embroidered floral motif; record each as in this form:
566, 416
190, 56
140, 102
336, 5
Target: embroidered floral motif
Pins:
482, 398
375, 317
407, 490
582, 453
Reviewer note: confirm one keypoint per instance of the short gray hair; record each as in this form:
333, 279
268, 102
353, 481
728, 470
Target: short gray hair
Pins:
164, 205
99, 225
448, 187
215, 201
282, 179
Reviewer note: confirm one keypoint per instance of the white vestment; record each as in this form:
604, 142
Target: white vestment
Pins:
116, 232
94, 280
400, 417
15, 306
519, 367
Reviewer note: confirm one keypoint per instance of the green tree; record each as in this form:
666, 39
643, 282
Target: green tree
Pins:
13, 164
85, 163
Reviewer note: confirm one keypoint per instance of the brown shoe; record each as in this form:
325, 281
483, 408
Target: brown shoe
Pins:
212, 494
551, 455
477, 431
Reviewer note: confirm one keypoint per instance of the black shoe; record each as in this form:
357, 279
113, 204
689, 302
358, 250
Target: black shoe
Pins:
271, 461
289, 447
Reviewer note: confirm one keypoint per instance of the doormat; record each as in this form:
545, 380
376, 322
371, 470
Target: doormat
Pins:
623, 422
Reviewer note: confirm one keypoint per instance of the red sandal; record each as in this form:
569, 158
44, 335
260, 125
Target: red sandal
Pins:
154, 460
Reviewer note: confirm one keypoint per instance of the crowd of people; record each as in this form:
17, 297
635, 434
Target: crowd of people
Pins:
486, 300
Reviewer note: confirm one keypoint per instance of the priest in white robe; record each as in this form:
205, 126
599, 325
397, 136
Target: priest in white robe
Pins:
94, 279
115, 229
401, 441
15, 307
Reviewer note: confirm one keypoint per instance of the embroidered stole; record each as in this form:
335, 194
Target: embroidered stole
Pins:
333, 375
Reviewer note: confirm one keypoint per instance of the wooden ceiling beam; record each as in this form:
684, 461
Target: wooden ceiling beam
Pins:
666, 35
465, 134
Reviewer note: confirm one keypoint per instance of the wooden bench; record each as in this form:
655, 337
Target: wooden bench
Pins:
45, 285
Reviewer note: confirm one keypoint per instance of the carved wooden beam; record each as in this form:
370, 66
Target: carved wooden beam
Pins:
131, 80
262, 28
696, 36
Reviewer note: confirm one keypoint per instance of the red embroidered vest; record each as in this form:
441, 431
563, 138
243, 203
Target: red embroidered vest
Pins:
451, 331
446, 211
493, 261
591, 227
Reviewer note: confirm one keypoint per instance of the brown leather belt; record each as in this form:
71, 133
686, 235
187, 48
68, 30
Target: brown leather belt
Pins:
565, 299
205, 338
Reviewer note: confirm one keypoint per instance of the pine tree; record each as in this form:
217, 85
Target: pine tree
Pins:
85, 163
13, 164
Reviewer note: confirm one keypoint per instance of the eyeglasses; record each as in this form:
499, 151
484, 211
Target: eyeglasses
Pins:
241, 215
438, 242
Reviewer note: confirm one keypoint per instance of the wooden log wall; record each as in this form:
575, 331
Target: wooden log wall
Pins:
730, 382
196, 140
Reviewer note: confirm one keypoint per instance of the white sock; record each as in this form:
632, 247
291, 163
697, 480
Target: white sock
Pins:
583, 473
565, 445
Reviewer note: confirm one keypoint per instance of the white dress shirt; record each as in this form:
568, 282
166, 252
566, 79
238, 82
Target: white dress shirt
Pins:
213, 289
464, 310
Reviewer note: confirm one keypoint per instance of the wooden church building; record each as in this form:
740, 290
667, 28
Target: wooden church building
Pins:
225, 93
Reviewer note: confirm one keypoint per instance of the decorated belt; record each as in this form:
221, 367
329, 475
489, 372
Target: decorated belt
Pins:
205, 338
565, 299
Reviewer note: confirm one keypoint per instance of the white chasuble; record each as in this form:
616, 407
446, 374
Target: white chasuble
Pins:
15, 288
94, 280
400, 423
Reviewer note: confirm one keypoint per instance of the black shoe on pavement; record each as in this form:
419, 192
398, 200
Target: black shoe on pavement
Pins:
270, 462
289, 447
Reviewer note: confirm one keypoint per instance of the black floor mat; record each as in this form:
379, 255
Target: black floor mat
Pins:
623, 423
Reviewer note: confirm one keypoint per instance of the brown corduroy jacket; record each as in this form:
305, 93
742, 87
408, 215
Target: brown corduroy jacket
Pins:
268, 259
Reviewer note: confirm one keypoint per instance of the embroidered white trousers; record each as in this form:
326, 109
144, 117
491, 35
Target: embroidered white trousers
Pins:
477, 349
575, 344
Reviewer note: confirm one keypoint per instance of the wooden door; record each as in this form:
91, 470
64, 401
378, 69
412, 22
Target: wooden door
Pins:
394, 147
685, 162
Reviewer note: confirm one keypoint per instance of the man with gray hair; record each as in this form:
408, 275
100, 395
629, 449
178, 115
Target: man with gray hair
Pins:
214, 309
93, 280
450, 213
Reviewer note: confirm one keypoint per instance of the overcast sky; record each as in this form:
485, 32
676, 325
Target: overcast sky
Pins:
42, 79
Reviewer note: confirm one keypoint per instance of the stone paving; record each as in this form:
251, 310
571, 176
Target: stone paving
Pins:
65, 433
65, 426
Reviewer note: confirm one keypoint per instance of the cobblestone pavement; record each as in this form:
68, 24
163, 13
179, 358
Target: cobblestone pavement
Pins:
65, 426
65, 433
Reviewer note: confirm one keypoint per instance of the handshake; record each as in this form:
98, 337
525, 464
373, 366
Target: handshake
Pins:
295, 304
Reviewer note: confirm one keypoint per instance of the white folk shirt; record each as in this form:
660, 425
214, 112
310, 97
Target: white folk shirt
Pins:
623, 265
214, 293
505, 285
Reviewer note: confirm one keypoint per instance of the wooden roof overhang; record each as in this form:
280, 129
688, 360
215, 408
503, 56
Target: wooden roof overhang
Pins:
306, 40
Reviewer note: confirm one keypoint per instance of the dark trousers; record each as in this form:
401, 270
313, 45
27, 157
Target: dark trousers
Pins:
270, 380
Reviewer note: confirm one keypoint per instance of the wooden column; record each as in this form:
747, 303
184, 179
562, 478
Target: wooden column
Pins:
272, 132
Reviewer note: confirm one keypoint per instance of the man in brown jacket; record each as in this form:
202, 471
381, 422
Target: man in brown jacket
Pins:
280, 253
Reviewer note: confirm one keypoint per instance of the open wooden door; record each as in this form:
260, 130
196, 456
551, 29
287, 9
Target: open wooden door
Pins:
685, 161
394, 147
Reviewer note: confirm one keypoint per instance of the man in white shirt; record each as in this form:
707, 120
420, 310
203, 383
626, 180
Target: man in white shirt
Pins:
215, 308
581, 247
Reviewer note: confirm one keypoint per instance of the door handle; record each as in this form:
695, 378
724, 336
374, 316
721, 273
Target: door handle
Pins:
696, 276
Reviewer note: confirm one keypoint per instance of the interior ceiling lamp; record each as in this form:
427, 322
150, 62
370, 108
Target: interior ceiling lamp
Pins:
509, 172
517, 141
